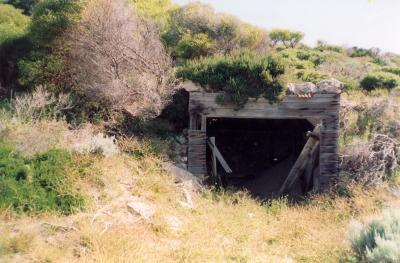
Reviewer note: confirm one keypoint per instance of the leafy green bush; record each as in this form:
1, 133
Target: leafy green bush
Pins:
12, 23
380, 80
194, 46
45, 63
310, 76
393, 70
37, 184
197, 26
241, 75
379, 240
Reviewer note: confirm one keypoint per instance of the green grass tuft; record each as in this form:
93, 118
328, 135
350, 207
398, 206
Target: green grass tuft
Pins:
41, 183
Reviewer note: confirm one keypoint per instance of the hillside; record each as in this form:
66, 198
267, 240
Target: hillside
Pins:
94, 126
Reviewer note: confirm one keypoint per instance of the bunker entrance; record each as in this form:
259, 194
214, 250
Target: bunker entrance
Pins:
259, 152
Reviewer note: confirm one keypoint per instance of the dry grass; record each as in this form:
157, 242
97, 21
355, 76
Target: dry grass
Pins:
221, 227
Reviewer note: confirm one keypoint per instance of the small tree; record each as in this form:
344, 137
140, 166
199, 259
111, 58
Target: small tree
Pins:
285, 37
117, 58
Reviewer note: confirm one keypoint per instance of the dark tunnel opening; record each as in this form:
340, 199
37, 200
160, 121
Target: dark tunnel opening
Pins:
260, 152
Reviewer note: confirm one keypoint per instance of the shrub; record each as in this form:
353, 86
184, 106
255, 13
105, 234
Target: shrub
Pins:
194, 46
45, 63
37, 184
117, 60
379, 240
241, 76
100, 144
371, 163
39, 104
393, 70
379, 80
12, 23
310, 76
200, 24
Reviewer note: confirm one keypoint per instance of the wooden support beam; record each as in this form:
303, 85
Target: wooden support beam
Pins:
301, 162
219, 156
214, 161
309, 171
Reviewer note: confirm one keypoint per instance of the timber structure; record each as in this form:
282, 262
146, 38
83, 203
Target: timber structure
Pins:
319, 107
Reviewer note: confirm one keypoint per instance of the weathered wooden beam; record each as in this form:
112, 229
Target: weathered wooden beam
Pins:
309, 172
219, 156
301, 162
214, 160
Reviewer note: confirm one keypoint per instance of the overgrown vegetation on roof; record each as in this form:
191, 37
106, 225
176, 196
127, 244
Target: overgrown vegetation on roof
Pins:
241, 76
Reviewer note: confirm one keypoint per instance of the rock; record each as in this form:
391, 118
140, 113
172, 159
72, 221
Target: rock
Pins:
187, 201
302, 88
330, 86
183, 176
181, 139
146, 211
190, 86
173, 222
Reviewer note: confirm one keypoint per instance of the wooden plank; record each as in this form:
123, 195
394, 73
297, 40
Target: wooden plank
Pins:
214, 161
197, 163
301, 162
219, 156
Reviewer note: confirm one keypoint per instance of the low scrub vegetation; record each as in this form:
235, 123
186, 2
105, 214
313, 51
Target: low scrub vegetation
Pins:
42, 183
380, 80
241, 76
378, 240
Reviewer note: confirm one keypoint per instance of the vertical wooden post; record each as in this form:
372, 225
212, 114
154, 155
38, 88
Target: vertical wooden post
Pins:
203, 122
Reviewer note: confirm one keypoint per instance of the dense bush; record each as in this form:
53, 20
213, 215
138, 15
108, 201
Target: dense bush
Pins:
116, 59
241, 75
380, 80
197, 30
310, 76
37, 184
13, 46
45, 64
12, 23
379, 240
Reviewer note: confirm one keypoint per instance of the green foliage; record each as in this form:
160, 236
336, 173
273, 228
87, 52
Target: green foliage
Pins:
51, 18
37, 184
380, 80
158, 10
45, 64
310, 76
13, 23
41, 68
379, 240
196, 30
194, 46
241, 75
286, 37
26, 5
393, 70
356, 52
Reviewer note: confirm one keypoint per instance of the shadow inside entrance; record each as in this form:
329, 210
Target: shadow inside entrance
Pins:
260, 152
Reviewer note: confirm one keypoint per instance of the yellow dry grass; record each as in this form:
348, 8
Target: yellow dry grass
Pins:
221, 227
